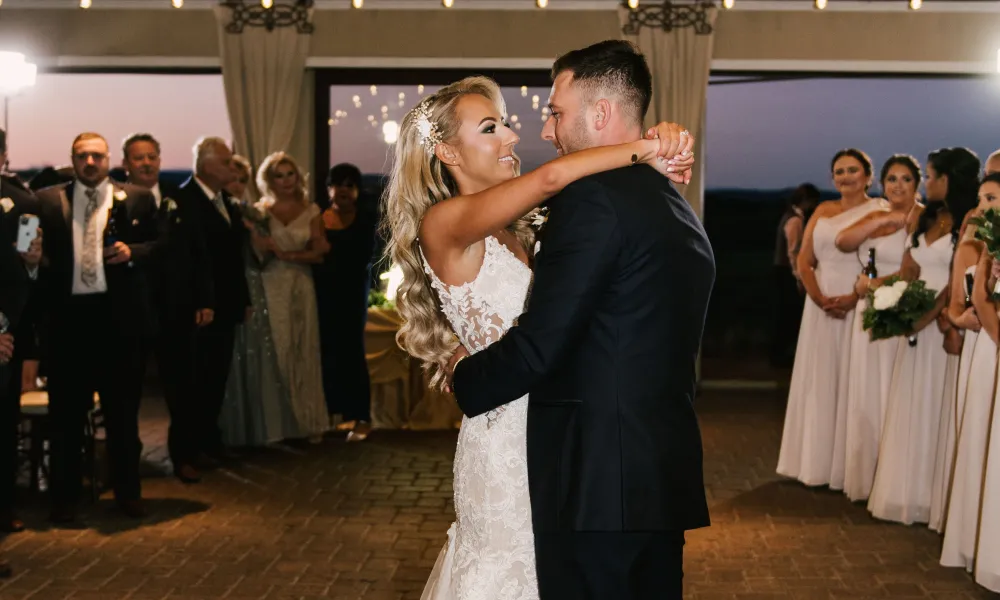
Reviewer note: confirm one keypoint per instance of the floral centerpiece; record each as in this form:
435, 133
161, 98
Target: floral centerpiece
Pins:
895, 307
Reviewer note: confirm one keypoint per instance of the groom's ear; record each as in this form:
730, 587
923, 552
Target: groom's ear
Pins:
602, 114
446, 154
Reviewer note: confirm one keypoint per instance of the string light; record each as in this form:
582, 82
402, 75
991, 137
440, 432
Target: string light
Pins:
373, 90
727, 4
916, 4
820, 4
633, 4
448, 3
542, 3
420, 89
524, 91
84, 4
390, 132
267, 3
357, 3
178, 3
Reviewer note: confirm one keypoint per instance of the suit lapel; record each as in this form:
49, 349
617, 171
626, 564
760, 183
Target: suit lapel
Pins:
66, 204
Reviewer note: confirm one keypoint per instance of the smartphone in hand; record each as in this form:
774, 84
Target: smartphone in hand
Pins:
27, 231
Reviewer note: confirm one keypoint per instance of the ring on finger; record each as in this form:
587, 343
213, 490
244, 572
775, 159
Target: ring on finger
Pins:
685, 132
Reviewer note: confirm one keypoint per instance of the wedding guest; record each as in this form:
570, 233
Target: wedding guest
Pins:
225, 236
993, 163
964, 506
880, 236
19, 326
987, 558
182, 294
905, 473
295, 241
819, 378
788, 288
100, 238
257, 410
342, 297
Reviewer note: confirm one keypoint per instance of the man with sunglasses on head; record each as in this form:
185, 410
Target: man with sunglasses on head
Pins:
100, 238
181, 288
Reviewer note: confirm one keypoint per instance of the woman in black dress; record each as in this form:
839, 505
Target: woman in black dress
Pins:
342, 284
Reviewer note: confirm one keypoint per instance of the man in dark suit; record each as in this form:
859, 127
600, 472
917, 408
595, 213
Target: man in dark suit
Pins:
19, 369
607, 350
182, 294
100, 237
225, 235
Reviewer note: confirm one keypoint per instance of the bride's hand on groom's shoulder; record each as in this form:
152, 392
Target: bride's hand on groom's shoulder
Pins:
675, 155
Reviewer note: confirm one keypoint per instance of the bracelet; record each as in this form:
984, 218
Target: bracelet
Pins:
455, 368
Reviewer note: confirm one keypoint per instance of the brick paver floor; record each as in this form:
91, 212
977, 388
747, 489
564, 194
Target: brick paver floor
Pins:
365, 521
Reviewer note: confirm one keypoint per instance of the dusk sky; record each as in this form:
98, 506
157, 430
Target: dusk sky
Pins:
760, 135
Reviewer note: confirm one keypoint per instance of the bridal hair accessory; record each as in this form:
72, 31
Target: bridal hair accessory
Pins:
430, 135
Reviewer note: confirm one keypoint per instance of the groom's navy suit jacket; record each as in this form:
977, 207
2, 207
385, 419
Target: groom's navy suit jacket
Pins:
607, 349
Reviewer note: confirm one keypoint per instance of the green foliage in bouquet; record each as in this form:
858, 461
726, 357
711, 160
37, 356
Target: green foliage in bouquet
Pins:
895, 307
988, 230
377, 299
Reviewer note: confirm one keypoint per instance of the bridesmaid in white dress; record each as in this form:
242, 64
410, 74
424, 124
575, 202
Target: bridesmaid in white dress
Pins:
964, 318
297, 241
965, 326
904, 476
988, 551
871, 362
819, 377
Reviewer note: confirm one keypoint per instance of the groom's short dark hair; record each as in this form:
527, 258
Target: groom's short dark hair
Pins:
615, 66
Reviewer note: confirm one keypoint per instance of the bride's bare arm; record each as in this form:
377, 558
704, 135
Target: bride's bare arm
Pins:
456, 223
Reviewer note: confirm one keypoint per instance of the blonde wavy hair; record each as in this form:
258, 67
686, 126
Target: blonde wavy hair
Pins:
418, 181
265, 175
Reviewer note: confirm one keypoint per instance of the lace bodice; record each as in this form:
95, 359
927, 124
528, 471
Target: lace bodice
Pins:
482, 310
490, 550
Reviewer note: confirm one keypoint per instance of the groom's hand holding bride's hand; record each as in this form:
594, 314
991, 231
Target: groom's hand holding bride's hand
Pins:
676, 151
459, 354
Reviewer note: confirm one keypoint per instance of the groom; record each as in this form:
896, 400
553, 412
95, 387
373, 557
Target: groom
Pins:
607, 350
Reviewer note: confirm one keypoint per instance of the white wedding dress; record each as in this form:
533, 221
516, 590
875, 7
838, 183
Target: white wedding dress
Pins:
490, 552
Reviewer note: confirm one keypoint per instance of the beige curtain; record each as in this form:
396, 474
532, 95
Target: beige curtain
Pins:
680, 61
264, 74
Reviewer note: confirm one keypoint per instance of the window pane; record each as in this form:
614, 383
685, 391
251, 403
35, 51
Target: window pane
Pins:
177, 109
358, 137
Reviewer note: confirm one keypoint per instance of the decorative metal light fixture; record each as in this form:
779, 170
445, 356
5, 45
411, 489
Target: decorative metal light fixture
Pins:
668, 16
287, 13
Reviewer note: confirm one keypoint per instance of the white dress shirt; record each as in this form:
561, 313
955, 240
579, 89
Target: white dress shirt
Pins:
105, 192
211, 198
157, 194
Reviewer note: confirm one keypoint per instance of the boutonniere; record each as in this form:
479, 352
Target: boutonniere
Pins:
120, 195
540, 217
170, 205
7, 204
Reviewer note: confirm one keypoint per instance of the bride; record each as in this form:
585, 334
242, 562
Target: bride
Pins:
454, 208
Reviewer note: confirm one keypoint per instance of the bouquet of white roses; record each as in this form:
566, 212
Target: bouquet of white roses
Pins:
895, 307
988, 231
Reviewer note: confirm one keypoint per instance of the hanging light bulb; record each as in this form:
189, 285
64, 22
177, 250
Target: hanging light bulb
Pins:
513, 118
517, 126
542, 3
373, 90
448, 3
357, 3
402, 95
178, 3
390, 132
727, 4
633, 4
820, 4
84, 3
385, 109
916, 4
267, 3
420, 89
524, 91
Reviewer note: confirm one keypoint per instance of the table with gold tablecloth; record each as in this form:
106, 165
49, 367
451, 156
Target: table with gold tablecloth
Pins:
400, 396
